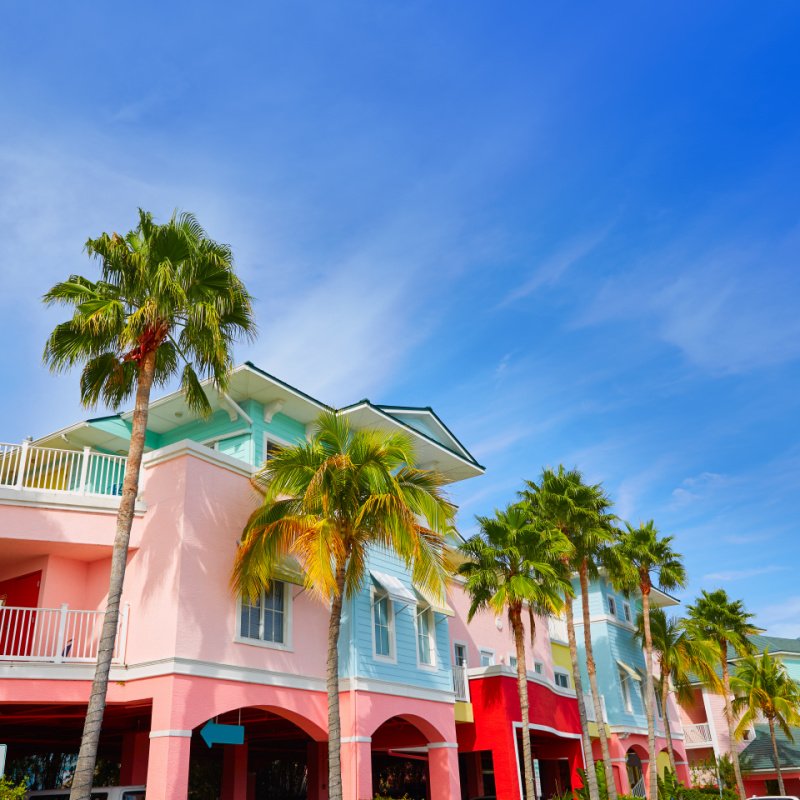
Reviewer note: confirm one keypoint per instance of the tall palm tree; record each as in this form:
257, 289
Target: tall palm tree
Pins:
581, 512
167, 302
680, 657
641, 555
515, 562
326, 503
716, 618
762, 687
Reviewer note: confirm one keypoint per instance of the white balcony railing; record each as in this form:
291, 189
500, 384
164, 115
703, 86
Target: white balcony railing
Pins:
589, 703
697, 735
461, 683
56, 635
557, 628
78, 472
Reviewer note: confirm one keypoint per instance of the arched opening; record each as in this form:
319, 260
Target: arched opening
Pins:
400, 758
256, 753
635, 766
662, 763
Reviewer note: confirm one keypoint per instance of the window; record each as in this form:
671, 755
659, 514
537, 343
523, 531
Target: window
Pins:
626, 612
460, 654
538, 667
643, 693
272, 446
264, 619
425, 636
562, 679
659, 706
624, 680
612, 606
512, 662
487, 658
382, 623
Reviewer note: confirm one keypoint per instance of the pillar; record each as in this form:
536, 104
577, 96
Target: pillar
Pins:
443, 771
575, 760
682, 771
168, 765
317, 760
234, 772
133, 769
504, 760
356, 756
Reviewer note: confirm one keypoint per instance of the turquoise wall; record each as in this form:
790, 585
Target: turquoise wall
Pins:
355, 643
612, 642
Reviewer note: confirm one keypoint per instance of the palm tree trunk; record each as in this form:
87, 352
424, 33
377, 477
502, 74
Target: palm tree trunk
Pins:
775, 756
334, 723
515, 616
586, 741
87, 755
649, 694
726, 684
592, 670
667, 727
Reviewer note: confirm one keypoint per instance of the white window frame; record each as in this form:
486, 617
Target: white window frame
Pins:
270, 437
624, 682
627, 613
538, 667
512, 657
564, 674
418, 612
659, 706
488, 651
286, 644
213, 442
456, 644
612, 606
374, 595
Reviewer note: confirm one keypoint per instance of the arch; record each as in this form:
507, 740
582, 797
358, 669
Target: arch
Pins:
428, 730
662, 762
635, 765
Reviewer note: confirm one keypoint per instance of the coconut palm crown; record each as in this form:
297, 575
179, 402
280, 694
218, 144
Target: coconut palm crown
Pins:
326, 503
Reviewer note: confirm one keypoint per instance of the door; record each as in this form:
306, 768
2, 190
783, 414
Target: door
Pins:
17, 626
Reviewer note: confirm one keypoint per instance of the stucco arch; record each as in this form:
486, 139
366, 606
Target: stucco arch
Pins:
662, 762
424, 726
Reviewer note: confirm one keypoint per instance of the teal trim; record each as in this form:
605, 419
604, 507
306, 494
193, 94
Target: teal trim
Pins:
119, 427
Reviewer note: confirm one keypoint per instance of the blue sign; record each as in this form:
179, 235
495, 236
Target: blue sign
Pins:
214, 733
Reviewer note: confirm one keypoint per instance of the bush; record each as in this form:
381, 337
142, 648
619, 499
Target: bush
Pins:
8, 791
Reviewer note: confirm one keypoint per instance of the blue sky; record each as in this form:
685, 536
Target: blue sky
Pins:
572, 229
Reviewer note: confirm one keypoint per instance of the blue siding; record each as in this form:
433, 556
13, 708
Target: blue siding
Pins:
356, 641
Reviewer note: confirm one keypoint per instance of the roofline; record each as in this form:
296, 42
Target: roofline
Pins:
288, 386
367, 404
429, 410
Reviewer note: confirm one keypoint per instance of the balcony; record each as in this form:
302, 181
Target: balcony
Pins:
697, 735
461, 684
56, 635
557, 629
31, 474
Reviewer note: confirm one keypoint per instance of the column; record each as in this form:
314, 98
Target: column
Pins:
575, 756
356, 754
443, 770
133, 769
317, 760
506, 770
168, 765
234, 772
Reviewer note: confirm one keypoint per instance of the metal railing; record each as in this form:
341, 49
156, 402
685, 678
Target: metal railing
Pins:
697, 735
638, 790
461, 683
82, 472
557, 629
56, 635
589, 704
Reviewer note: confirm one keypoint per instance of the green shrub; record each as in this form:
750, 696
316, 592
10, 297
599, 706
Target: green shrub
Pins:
8, 791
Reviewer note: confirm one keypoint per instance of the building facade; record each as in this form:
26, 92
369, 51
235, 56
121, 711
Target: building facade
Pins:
428, 701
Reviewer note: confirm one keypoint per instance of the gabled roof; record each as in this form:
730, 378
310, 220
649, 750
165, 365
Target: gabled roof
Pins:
758, 752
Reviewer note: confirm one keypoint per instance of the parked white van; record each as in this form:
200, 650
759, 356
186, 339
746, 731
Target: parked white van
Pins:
98, 793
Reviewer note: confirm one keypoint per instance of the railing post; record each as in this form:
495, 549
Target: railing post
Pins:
62, 632
122, 636
23, 460
84, 469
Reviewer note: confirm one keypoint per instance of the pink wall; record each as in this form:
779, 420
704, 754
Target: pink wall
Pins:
484, 633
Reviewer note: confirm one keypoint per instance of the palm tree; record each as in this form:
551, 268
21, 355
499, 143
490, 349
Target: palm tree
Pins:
166, 294
762, 687
516, 561
580, 511
716, 618
640, 554
326, 503
680, 657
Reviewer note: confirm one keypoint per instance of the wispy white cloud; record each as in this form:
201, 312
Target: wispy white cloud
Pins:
697, 488
741, 574
781, 619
